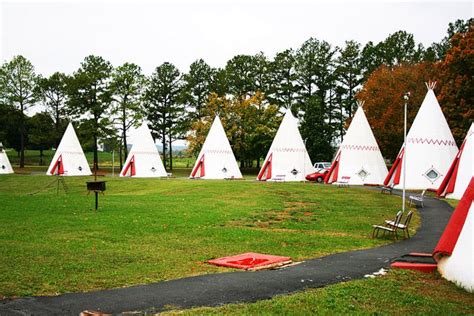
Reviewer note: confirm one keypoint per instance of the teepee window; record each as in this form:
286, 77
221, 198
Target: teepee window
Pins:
363, 173
224, 170
79, 168
3, 167
432, 174
294, 172
153, 169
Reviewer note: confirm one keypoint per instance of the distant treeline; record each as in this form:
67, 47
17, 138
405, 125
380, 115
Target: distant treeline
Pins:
318, 81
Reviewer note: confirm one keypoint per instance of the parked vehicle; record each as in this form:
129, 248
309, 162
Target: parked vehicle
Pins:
322, 169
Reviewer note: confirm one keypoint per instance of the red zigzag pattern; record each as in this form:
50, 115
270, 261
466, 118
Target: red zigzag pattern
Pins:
431, 141
360, 147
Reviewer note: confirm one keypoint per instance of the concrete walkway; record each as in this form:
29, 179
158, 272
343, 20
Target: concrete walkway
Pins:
232, 287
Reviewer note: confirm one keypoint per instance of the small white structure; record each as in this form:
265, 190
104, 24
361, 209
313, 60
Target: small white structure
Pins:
216, 159
69, 159
461, 170
144, 159
5, 166
287, 159
358, 160
455, 250
430, 149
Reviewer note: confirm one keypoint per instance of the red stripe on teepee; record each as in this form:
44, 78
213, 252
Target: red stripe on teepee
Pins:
396, 169
199, 166
58, 166
131, 166
333, 172
451, 233
449, 181
266, 169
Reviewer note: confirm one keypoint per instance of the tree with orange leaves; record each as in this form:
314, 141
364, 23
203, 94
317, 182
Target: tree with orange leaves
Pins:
383, 95
456, 83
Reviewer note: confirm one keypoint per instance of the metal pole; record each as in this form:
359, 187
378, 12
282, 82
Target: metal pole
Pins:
406, 97
96, 200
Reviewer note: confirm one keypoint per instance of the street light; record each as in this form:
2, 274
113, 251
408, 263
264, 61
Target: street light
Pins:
406, 97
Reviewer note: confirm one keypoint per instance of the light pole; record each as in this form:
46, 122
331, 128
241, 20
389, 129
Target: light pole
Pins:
406, 97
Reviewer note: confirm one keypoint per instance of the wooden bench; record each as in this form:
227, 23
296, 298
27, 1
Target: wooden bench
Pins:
279, 178
417, 199
387, 188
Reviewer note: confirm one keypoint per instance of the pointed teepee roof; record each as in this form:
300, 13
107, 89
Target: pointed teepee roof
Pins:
287, 158
461, 170
69, 159
5, 166
143, 160
455, 249
359, 158
216, 159
430, 149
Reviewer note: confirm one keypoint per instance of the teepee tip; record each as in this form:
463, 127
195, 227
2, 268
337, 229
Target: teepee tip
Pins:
430, 85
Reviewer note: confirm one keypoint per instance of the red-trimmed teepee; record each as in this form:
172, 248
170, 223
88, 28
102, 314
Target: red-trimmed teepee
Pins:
455, 249
461, 170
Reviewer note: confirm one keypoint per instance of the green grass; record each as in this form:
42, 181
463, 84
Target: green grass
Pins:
149, 230
400, 292
32, 159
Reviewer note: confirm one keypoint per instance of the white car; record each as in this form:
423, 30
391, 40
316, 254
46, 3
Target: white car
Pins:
322, 165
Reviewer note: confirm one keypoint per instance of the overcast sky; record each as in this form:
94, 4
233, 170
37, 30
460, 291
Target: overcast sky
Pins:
56, 36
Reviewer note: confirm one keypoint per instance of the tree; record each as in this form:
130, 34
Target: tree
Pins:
127, 88
283, 88
53, 92
90, 94
439, 50
17, 88
250, 124
456, 83
349, 75
197, 87
163, 109
316, 79
383, 95
41, 133
10, 121
240, 74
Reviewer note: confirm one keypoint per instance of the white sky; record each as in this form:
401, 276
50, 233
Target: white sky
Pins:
56, 36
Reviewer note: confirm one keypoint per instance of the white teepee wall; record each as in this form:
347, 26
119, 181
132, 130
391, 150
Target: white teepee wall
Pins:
216, 159
455, 250
69, 159
287, 159
143, 160
359, 157
461, 170
5, 166
430, 149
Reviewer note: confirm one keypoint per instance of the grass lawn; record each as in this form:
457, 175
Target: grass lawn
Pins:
149, 230
400, 292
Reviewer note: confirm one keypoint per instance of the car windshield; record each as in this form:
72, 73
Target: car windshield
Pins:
327, 165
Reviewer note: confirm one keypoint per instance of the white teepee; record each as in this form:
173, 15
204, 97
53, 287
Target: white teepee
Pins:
69, 159
143, 160
287, 159
5, 166
455, 250
358, 159
216, 159
430, 149
461, 170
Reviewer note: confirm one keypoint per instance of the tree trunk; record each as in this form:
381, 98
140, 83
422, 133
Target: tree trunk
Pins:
164, 147
22, 138
96, 157
171, 153
124, 127
258, 162
120, 157
57, 140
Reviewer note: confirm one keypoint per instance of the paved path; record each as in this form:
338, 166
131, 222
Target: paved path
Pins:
223, 288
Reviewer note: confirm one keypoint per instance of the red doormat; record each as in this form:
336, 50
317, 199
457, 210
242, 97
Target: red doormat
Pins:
251, 261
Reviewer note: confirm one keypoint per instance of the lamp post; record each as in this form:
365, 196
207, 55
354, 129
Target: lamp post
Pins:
406, 97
